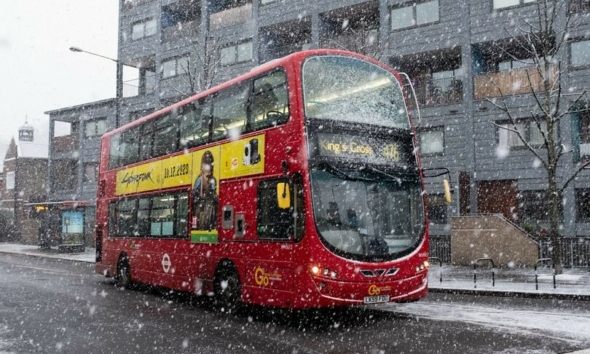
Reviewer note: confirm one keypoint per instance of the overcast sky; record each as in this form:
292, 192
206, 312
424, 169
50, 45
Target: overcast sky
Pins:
39, 73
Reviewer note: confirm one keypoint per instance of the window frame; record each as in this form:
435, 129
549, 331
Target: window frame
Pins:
177, 71
575, 41
414, 5
94, 166
137, 136
440, 129
582, 205
144, 23
296, 227
520, 3
94, 122
528, 124
236, 53
180, 229
436, 200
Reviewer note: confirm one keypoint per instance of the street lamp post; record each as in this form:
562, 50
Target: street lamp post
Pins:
119, 86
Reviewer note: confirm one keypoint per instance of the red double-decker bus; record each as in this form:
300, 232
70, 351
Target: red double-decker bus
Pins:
296, 185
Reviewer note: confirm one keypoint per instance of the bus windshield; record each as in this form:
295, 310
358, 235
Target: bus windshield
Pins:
352, 90
365, 215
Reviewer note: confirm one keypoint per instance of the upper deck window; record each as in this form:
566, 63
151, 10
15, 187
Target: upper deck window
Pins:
352, 90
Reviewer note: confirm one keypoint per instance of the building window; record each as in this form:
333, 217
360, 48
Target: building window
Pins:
96, 127
500, 4
580, 53
432, 142
264, 2
237, 53
143, 29
437, 209
90, 172
414, 15
533, 206
583, 205
10, 180
528, 130
174, 67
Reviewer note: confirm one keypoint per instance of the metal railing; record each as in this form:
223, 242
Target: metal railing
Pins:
481, 260
575, 251
544, 261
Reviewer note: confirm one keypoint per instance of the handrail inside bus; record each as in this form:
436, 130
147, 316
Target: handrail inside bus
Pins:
408, 83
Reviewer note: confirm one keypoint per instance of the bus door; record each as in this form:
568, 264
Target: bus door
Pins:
270, 271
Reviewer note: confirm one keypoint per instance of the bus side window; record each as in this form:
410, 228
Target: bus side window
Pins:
115, 152
194, 124
229, 112
129, 147
165, 136
270, 102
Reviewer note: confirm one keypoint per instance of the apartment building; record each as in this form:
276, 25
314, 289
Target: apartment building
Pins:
451, 49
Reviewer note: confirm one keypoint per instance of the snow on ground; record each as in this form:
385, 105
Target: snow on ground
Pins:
4, 344
87, 256
573, 327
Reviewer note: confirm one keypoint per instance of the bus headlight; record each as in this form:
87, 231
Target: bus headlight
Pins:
422, 266
318, 270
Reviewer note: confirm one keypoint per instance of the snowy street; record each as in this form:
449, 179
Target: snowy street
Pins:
52, 305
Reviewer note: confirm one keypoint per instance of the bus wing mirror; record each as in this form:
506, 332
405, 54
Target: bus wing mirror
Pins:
283, 195
447, 188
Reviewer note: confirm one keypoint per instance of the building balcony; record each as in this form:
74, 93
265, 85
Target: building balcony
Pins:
231, 17
66, 143
366, 42
432, 92
513, 82
577, 6
181, 31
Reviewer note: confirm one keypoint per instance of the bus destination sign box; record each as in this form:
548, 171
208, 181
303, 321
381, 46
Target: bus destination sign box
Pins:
361, 149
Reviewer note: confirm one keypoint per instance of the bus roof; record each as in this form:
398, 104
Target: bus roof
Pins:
291, 58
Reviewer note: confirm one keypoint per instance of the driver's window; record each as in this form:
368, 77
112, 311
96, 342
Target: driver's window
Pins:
270, 102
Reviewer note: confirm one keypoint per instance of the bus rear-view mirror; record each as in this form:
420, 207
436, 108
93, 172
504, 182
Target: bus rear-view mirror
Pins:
283, 195
447, 188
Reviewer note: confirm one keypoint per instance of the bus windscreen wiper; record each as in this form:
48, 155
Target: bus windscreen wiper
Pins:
385, 174
341, 174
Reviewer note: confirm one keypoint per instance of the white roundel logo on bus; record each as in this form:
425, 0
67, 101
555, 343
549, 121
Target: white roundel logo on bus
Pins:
166, 263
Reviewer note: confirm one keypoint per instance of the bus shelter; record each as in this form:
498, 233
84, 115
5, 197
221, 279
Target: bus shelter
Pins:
61, 224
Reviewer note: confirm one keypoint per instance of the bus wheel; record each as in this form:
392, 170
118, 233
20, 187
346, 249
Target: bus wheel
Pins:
123, 273
227, 287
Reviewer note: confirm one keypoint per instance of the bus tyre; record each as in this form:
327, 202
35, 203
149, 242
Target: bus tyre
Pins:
227, 287
123, 273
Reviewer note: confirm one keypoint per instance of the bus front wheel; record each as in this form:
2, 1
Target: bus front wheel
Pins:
123, 273
227, 287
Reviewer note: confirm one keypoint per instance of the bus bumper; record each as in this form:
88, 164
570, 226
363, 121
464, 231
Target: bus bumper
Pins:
341, 293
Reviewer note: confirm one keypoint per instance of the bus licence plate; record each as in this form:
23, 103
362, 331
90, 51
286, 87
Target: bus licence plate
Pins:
376, 299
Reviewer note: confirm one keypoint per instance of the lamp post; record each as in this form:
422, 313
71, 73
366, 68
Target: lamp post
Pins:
119, 86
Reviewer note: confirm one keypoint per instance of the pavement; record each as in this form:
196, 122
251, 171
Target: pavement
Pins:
573, 284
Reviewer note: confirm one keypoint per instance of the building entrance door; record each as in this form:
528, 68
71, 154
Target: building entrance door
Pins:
498, 197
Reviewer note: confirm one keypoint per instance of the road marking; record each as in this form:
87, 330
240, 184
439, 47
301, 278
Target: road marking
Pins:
55, 271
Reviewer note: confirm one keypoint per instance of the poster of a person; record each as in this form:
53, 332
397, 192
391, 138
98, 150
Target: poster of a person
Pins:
205, 197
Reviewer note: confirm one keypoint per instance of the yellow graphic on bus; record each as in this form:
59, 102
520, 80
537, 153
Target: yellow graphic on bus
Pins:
205, 195
176, 171
139, 178
244, 157
262, 278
